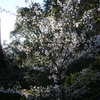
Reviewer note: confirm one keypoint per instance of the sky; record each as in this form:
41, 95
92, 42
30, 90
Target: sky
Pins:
8, 20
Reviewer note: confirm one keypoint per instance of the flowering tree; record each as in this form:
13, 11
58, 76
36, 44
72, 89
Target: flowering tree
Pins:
48, 41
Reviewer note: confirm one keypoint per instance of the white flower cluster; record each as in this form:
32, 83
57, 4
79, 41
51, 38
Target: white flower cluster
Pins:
80, 86
13, 90
41, 92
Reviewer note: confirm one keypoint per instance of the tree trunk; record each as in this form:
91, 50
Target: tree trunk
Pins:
63, 94
2, 62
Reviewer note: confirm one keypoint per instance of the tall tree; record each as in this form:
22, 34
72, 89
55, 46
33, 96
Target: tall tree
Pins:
2, 62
